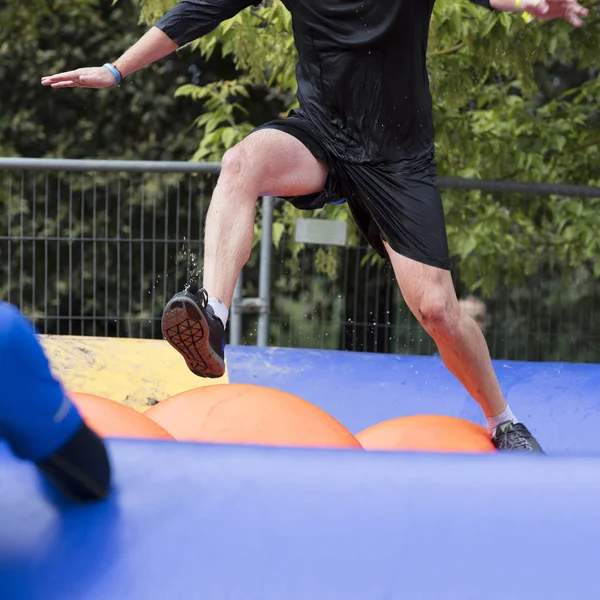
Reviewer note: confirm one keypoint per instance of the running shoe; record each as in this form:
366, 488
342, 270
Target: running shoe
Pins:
190, 325
515, 437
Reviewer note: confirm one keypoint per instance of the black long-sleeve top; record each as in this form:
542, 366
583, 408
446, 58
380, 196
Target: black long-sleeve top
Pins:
362, 75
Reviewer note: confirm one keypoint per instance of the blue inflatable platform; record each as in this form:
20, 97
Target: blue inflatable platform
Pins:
229, 523
559, 402
199, 521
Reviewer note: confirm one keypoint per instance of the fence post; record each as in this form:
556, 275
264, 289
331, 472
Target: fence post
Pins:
264, 276
235, 322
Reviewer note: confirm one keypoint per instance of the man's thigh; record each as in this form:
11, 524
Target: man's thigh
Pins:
282, 162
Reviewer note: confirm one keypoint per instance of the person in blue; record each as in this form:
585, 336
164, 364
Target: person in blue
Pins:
39, 422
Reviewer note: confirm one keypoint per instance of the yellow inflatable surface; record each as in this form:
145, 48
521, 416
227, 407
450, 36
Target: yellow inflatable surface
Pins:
135, 372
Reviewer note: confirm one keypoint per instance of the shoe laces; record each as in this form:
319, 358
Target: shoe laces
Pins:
201, 295
515, 439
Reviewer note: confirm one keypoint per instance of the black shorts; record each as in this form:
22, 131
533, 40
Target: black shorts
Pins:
397, 202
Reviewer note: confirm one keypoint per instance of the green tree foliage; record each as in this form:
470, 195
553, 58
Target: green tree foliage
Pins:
138, 120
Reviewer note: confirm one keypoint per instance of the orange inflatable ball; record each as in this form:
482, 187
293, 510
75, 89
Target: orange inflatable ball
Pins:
427, 433
112, 419
234, 413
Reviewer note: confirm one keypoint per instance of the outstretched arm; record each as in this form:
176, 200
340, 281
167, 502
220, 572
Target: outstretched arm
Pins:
186, 21
153, 46
547, 10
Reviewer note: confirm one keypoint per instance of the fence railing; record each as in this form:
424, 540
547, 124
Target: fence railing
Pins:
98, 248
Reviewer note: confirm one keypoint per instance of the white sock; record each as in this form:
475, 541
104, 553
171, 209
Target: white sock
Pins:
493, 422
220, 309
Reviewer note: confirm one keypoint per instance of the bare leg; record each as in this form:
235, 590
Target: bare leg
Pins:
267, 161
429, 293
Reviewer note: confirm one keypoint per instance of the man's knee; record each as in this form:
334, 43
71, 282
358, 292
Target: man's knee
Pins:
234, 162
438, 313
243, 164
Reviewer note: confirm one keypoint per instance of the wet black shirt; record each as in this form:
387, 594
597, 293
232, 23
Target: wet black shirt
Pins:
362, 75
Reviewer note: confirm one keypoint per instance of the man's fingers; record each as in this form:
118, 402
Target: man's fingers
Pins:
64, 84
540, 7
96, 77
67, 80
574, 14
567, 5
66, 76
543, 7
573, 18
568, 10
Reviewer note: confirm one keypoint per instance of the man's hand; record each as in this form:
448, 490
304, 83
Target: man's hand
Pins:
88, 77
547, 10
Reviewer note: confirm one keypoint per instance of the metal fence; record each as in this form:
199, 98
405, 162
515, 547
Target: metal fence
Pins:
97, 248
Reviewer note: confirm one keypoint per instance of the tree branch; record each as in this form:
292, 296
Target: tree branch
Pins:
452, 50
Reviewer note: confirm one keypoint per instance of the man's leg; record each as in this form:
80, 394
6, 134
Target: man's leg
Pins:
268, 161
429, 293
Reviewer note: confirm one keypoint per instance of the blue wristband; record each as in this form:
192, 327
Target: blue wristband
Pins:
114, 71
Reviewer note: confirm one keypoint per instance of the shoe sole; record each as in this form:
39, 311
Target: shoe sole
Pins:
186, 329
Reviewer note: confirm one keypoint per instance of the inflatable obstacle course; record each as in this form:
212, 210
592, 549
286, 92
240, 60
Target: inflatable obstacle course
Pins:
223, 522
236, 507
218, 413
560, 402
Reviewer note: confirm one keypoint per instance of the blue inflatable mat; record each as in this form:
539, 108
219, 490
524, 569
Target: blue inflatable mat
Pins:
559, 402
191, 521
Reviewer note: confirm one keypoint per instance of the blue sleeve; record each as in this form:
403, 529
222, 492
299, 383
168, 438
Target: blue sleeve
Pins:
190, 19
36, 417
